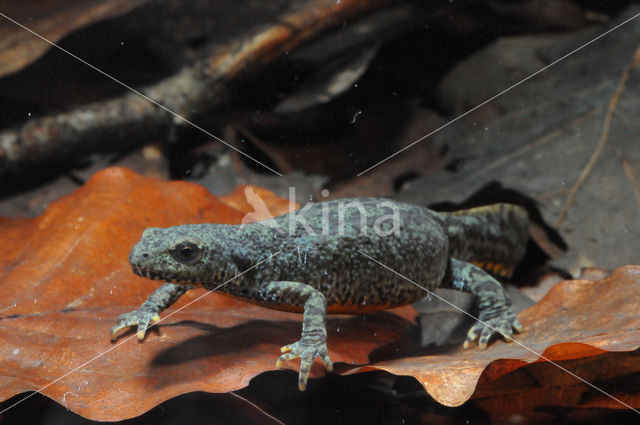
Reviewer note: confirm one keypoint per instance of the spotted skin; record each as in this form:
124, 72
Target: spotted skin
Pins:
318, 268
492, 237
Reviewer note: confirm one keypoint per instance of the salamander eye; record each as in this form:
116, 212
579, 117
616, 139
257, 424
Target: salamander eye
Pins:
186, 253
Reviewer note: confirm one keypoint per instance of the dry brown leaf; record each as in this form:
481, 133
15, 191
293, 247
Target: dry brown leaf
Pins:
65, 278
576, 319
52, 19
565, 138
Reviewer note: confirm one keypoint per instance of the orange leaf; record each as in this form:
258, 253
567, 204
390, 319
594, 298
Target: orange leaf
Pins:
576, 319
66, 277
19, 48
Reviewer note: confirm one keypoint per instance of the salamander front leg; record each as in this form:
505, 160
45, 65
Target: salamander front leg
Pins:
313, 342
148, 312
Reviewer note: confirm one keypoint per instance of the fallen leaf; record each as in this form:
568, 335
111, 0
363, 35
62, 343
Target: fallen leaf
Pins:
333, 78
541, 388
65, 278
576, 319
75, 254
564, 139
252, 199
53, 19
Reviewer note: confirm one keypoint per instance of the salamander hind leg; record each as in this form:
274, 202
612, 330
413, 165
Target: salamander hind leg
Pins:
313, 342
494, 304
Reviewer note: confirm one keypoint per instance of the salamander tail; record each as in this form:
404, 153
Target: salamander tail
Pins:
493, 237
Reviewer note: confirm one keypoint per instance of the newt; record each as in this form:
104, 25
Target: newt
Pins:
320, 267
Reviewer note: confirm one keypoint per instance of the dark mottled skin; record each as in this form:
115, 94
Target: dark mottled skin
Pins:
318, 268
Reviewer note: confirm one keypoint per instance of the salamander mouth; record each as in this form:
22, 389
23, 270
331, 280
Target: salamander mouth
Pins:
218, 278
150, 274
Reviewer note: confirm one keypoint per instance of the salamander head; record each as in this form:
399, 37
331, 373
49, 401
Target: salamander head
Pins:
187, 254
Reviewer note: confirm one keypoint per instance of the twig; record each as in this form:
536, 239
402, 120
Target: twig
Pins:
604, 137
133, 119
632, 179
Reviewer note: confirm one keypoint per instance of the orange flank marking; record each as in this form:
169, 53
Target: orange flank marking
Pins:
358, 309
499, 269
331, 309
